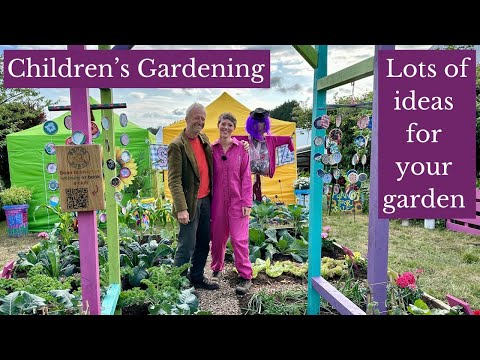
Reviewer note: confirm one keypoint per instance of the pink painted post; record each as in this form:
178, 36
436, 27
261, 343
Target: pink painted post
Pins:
87, 220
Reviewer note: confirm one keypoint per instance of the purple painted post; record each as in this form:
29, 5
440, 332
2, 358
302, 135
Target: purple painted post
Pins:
377, 228
87, 220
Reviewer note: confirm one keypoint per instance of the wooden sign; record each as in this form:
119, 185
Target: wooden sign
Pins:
80, 177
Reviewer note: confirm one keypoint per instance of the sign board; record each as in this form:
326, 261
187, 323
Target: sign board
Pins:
80, 177
158, 155
284, 156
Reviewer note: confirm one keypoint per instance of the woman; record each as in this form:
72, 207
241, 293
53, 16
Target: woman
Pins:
231, 202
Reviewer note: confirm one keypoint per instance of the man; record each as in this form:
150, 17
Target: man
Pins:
190, 173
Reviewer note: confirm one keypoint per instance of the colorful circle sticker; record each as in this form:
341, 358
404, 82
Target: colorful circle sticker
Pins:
326, 189
333, 148
318, 140
352, 195
335, 135
125, 156
68, 141
353, 177
103, 217
355, 159
53, 185
325, 159
67, 121
320, 172
317, 157
362, 177
331, 160
54, 200
111, 164
125, 172
327, 178
124, 139
51, 168
123, 119
337, 157
363, 160
95, 130
325, 121
318, 123
118, 196
78, 137
115, 182
50, 127
105, 123
50, 148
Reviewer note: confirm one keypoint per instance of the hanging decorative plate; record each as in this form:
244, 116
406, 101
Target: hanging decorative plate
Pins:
54, 200
123, 119
124, 139
326, 189
115, 181
51, 168
335, 135
327, 178
317, 157
363, 159
333, 148
355, 159
111, 164
320, 172
338, 120
363, 122
50, 127
352, 171
50, 148
336, 189
325, 159
325, 121
105, 123
125, 156
353, 177
53, 185
95, 130
68, 141
78, 138
118, 196
362, 177
360, 141
331, 160
125, 172
336, 173
103, 217
317, 123
67, 122
318, 140
337, 157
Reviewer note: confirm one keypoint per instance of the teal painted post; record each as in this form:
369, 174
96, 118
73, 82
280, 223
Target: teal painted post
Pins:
316, 186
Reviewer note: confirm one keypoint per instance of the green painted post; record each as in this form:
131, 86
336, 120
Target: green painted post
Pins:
316, 186
112, 208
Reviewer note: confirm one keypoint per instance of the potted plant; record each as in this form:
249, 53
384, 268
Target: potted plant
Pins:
15, 203
301, 187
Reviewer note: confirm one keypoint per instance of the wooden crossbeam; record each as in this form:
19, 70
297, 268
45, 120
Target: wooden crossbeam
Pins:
309, 53
352, 73
92, 106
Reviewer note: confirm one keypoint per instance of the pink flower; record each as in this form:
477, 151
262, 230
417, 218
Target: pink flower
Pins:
43, 235
407, 279
324, 235
412, 286
476, 312
419, 271
326, 228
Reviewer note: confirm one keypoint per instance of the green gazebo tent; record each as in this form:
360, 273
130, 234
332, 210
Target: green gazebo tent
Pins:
28, 161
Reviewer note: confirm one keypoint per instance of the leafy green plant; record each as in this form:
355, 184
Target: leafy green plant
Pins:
16, 195
290, 302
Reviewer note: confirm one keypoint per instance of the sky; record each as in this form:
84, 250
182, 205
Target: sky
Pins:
291, 79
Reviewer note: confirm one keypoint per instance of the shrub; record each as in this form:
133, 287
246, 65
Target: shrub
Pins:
15, 195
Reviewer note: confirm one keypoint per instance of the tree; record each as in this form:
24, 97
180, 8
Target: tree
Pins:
302, 115
284, 111
20, 109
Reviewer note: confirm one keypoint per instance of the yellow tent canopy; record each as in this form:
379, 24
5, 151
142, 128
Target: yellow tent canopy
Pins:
278, 188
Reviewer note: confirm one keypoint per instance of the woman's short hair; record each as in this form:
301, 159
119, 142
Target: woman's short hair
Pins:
227, 116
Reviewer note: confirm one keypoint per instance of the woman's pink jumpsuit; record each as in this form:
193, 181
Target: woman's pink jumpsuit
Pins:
232, 190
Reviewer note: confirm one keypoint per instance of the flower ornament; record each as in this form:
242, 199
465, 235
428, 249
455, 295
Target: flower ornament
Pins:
301, 183
128, 169
43, 235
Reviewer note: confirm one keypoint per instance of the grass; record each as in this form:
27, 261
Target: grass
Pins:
10, 246
450, 260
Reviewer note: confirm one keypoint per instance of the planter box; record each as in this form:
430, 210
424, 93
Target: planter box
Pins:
469, 226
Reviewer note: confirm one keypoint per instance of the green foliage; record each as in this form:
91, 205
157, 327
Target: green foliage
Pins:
290, 302
302, 114
135, 296
21, 303
16, 195
284, 111
278, 268
333, 268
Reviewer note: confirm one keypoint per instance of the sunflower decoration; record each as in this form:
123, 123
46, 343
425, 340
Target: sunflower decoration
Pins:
128, 168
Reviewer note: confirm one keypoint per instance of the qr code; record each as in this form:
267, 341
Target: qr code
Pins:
77, 198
